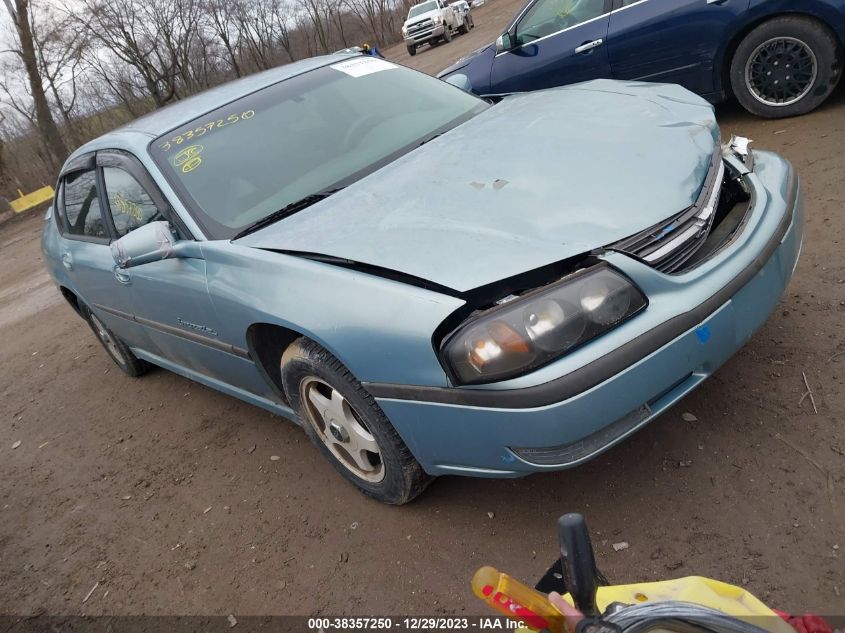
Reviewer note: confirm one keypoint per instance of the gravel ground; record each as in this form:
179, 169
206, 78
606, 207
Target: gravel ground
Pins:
152, 489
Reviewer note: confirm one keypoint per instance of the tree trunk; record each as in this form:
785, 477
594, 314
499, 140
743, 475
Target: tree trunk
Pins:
46, 125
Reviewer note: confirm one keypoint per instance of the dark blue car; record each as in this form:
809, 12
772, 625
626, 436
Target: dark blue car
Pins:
778, 57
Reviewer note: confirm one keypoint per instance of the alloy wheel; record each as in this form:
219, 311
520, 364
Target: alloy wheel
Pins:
107, 339
342, 429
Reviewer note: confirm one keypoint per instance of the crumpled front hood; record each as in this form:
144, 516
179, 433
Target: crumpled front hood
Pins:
535, 179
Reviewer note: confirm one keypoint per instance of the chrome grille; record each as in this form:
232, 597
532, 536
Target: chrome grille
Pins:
670, 244
418, 27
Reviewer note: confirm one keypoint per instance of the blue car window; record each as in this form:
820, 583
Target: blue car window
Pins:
81, 203
547, 17
130, 205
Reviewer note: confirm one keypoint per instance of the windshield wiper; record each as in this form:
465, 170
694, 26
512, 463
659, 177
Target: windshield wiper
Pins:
286, 211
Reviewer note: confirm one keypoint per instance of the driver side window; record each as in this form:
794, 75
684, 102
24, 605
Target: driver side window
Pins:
131, 206
547, 17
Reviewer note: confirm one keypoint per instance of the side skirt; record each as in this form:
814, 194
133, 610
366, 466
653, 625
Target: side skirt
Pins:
240, 394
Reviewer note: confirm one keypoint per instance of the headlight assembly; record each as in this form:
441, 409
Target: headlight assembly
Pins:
512, 339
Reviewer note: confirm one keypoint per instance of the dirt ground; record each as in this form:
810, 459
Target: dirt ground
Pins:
149, 487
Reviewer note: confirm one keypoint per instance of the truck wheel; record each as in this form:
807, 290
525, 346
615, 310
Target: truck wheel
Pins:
412, 50
348, 426
447, 34
463, 29
786, 67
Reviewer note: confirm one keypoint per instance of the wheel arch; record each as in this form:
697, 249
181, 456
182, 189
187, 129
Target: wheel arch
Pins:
723, 66
267, 342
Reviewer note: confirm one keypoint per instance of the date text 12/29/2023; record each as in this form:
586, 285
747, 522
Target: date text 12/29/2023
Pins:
417, 623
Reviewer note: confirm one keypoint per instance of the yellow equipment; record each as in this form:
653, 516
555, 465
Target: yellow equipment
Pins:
578, 573
31, 200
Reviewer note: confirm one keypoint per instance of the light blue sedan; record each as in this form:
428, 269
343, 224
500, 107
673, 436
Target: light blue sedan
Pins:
428, 282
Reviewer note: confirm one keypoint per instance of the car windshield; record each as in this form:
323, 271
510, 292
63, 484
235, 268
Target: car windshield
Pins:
419, 9
312, 133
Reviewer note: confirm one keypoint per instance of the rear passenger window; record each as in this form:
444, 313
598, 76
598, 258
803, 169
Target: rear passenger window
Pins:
130, 204
83, 215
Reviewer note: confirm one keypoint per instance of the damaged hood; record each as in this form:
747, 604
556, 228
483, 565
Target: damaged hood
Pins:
537, 178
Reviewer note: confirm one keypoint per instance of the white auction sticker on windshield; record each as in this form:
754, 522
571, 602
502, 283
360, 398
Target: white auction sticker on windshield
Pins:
360, 66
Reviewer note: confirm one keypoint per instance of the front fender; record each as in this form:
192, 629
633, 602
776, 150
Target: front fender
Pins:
379, 328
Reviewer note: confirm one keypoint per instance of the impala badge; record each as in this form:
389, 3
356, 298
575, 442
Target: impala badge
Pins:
199, 328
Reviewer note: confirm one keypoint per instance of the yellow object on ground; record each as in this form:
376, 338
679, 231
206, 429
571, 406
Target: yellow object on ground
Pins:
717, 595
31, 200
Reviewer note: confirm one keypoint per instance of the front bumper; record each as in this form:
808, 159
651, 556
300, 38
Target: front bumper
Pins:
425, 36
569, 417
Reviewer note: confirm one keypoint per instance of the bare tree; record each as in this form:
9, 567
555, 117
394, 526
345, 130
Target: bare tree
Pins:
153, 38
118, 79
15, 94
19, 10
282, 27
319, 15
59, 51
221, 17
258, 26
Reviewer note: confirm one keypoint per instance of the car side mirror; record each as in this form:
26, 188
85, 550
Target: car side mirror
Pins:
152, 242
504, 43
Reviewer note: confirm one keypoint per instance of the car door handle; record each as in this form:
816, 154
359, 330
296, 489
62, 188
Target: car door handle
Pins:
716, 1
588, 46
122, 276
67, 261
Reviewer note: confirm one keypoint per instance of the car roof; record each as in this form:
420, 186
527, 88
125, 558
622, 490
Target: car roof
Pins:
176, 114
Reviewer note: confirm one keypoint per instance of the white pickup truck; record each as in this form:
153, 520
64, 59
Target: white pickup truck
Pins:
430, 22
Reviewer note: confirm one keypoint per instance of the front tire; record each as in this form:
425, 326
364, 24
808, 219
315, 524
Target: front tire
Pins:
347, 425
117, 350
447, 34
412, 50
786, 67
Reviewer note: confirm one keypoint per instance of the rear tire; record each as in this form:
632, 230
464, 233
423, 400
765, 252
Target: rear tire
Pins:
786, 67
463, 29
347, 425
412, 50
117, 350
